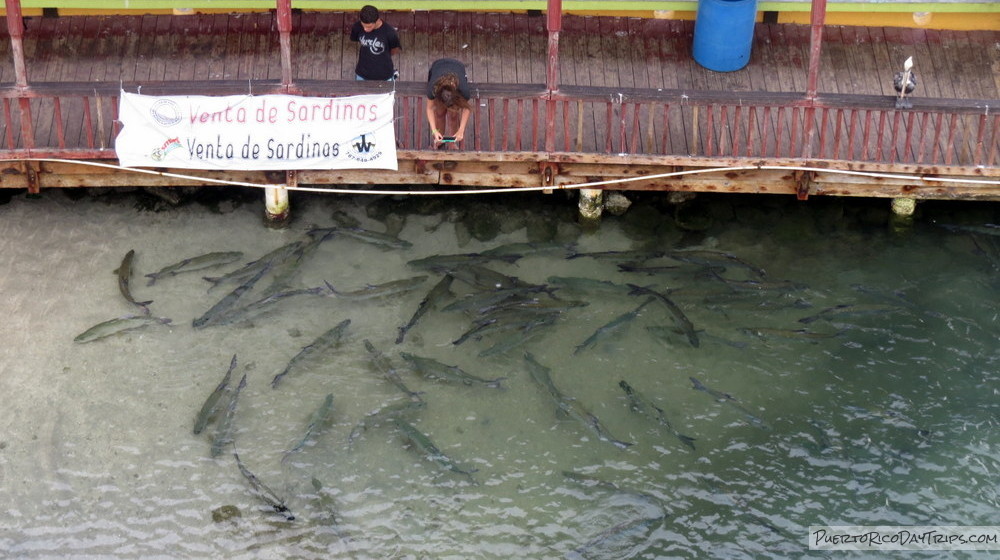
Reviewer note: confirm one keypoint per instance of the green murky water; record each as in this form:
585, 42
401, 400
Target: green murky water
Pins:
861, 374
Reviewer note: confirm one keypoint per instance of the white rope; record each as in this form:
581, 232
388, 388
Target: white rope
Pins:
573, 186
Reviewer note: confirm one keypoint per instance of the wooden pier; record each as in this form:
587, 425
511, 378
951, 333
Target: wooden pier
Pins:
627, 102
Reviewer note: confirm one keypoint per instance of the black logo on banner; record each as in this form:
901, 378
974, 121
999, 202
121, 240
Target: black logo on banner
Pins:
363, 149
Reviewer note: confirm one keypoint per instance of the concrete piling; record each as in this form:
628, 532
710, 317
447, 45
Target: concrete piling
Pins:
590, 205
277, 213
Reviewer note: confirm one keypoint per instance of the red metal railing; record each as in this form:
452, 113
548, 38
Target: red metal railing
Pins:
80, 121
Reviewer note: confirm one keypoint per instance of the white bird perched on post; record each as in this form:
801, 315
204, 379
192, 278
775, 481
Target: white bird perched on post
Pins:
904, 83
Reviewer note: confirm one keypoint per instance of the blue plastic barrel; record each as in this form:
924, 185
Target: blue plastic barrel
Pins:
723, 33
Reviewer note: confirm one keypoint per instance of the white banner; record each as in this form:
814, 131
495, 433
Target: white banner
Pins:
257, 132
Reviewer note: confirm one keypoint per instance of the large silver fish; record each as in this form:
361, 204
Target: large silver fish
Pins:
373, 237
317, 422
225, 305
251, 269
680, 318
212, 407
713, 259
208, 260
731, 401
380, 415
223, 435
646, 408
124, 272
570, 406
371, 291
119, 325
262, 305
447, 263
610, 327
421, 442
852, 310
325, 341
434, 369
389, 373
439, 292
261, 490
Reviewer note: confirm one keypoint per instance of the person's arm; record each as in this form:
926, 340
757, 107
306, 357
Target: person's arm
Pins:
460, 134
436, 132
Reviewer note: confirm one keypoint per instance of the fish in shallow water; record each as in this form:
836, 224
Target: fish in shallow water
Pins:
643, 407
370, 291
613, 326
124, 272
586, 285
119, 325
251, 269
193, 264
329, 510
612, 540
714, 259
680, 319
380, 415
322, 343
382, 240
223, 435
261, 490
852, 310
429, 367
212, 407
384, 366
569, 406
317, 422
422, 443
800, 334
731, 401
224, 307
438, 293
447, 263
263, 305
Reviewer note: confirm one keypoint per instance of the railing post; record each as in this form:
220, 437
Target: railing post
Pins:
15, 26
817, 20
284, 13
554, 26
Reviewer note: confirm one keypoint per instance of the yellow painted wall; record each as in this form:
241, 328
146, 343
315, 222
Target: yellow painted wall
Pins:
961, 22
945, 20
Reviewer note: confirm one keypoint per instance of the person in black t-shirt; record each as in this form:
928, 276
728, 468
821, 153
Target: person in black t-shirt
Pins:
448, 96
378, 41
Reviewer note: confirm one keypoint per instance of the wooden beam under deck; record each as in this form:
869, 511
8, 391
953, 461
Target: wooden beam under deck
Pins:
471, 171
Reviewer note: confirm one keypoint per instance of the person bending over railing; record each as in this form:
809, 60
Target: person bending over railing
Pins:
448, 106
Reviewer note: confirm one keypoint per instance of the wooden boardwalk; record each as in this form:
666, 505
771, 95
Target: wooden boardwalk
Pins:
630, 100
503, 48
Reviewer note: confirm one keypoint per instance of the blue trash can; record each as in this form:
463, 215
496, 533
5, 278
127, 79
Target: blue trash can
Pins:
723, 33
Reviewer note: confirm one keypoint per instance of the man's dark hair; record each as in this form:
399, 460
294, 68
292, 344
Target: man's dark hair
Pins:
369, 14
